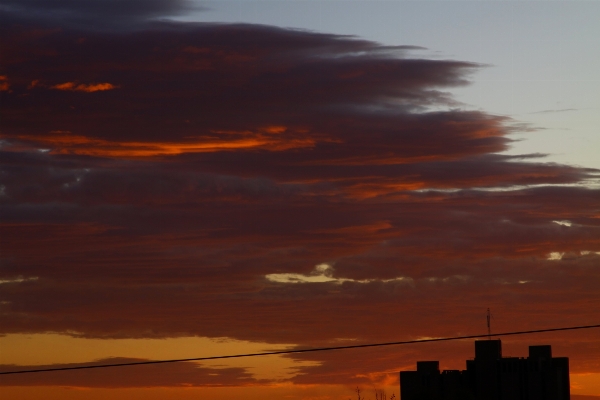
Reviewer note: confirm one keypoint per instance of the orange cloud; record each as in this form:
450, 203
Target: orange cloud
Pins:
4, 85
63, 142
82, 87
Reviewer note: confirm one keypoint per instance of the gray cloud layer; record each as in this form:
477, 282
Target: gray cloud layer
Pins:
95, 14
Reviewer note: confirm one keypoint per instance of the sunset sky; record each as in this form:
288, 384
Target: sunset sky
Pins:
189, 178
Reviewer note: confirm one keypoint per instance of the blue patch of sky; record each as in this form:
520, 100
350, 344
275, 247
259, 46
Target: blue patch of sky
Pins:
540, 55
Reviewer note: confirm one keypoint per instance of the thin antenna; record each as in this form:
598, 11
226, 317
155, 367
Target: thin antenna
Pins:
489, 316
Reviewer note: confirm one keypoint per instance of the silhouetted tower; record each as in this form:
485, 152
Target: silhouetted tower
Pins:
491, 377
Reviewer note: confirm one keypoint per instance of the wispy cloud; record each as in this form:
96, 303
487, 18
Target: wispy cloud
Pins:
555, 111
82, 87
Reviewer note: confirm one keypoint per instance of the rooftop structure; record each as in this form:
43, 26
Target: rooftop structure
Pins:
491, 377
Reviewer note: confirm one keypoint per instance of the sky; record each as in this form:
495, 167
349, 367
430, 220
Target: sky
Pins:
187, 179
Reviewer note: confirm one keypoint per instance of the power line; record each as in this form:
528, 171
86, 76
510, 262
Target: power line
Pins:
271, 353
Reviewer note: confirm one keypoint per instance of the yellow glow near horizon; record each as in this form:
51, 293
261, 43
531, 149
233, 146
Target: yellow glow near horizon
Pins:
585, 384
286, 391
46, 349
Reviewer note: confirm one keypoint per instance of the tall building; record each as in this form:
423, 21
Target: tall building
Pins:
491, 377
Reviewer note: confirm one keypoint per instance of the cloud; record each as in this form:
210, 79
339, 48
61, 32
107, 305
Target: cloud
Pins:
94, 14
324, 273
555, 111
17, 280
186, 374
4, 85
233, 159
82, 87
64, 142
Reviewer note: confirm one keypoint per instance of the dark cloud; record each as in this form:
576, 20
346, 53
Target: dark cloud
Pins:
182, 169
286, 89
307, 107
93, 14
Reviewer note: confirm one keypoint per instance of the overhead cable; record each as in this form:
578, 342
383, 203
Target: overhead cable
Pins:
297, 351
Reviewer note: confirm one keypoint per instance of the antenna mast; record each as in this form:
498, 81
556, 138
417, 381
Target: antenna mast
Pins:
489, 315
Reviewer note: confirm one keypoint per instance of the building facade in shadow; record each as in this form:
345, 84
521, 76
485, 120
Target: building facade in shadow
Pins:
491, 377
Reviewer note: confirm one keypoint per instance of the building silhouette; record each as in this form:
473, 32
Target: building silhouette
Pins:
491, 377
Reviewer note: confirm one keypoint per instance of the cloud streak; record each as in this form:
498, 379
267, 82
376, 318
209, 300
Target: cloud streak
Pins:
82, 87
174, 375
95, 15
